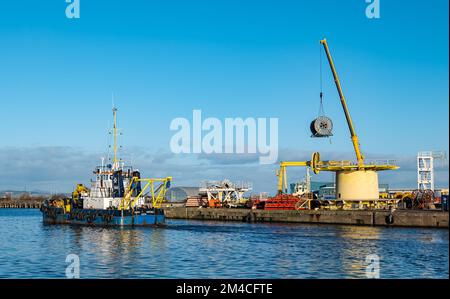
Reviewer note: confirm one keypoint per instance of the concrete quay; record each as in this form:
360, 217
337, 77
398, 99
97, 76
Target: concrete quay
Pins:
398, 218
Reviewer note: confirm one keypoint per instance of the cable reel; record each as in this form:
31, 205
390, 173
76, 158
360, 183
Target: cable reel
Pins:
322, 126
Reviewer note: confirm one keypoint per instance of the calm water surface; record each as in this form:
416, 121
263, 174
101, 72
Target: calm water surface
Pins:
194, 249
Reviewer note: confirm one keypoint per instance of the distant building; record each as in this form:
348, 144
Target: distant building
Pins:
181, 194
323, 190
327, 190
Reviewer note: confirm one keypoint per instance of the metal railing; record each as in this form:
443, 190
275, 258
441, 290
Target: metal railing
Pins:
389, 162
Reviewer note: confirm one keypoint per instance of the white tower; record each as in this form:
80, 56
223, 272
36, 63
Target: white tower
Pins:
425, 169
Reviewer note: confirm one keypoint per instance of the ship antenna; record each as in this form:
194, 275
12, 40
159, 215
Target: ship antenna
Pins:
116, 161
114, 109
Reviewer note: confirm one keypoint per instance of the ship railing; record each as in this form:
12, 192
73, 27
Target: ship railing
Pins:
375, 162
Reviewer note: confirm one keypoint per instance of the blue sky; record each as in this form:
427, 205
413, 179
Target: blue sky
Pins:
162, 59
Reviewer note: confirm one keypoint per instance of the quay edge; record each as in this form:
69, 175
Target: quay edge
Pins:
398, 218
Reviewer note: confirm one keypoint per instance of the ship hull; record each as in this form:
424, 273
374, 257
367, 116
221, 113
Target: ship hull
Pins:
113, 218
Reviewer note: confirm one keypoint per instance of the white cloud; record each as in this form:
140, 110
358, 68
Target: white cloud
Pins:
58, 169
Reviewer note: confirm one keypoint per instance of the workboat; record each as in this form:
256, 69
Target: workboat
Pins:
118, 196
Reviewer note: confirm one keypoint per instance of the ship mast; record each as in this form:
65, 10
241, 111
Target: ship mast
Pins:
116, 161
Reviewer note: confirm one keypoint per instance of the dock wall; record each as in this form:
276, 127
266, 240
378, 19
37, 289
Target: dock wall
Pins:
405, 218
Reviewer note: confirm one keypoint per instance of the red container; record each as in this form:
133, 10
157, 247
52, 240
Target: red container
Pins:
281, 202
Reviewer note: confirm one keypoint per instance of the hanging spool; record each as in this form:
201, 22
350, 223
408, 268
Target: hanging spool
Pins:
322, 126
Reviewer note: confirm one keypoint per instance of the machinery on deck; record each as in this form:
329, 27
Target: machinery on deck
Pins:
77, 194
355, 181
417, 200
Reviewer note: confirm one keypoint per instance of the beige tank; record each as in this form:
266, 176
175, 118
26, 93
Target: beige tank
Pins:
357, 185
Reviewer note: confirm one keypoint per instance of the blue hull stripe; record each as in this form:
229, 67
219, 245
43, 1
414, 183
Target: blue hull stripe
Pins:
55, 216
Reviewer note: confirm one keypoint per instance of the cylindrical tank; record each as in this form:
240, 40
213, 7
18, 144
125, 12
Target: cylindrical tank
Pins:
357, 185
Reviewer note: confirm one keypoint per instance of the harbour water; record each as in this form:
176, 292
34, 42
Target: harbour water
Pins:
199, 249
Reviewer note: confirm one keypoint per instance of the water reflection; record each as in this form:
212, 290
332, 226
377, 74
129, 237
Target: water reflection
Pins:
358, 242
190, 249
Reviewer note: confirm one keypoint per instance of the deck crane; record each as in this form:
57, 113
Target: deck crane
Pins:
354, 181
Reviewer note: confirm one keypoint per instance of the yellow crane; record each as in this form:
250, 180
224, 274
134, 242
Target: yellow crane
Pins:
353, 180
353, 135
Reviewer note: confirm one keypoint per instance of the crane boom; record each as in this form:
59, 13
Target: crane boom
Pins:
317, 164
354, 137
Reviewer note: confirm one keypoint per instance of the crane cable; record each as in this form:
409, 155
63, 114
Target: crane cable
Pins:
321, 110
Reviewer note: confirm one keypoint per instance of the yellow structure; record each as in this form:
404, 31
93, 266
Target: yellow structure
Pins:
80, 190
354, 181
156, 192
357, 185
